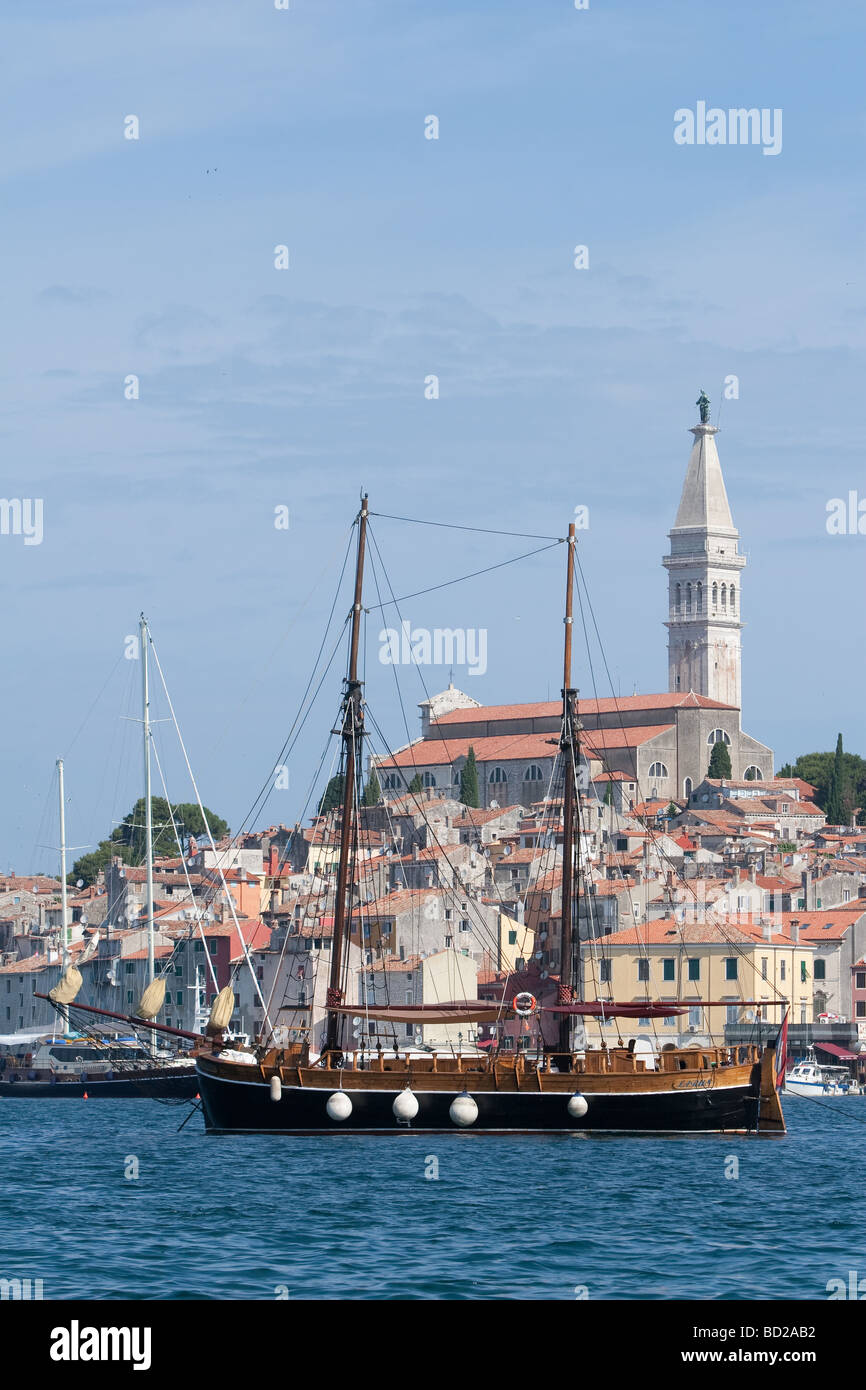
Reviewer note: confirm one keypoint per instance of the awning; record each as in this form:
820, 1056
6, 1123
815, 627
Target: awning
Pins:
835, 1051
617, 1010
461, 1011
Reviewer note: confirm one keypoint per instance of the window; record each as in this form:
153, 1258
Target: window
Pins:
428, 780
129, 996
658, 770
465, 924
643, 969
448, 912
391, 782
533, 773
700, 591
783, 967
765, 962
669, 969
732, 1013
861, 1008
753, 774
512, 938
695, 1018
718, 736
678, 595
820, 969
212, 946
694, 968
732, 593
605, 971
730, 967
178, 970
497, 774
861, 979
687, 787
715, 595
129, 967
449, 941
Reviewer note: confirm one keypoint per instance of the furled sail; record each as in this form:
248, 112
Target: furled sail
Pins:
221, 1011
67, 987
613, 1010
152, 999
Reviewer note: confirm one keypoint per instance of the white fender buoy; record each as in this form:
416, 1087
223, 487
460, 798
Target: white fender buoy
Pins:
339, 1106
405, 1105
577, 1106
463, 1111
276, 1088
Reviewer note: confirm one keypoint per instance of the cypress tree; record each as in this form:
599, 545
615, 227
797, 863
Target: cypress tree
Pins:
332, 795
372, 792
720, 761
836, 798
469, 780
415, 786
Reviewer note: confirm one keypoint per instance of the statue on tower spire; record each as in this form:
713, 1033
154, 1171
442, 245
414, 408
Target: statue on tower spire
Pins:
704, 402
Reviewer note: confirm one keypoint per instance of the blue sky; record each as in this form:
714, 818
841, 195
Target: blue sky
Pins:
409, 257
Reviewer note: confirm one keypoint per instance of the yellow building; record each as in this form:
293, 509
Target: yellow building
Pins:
516, 944
724, 973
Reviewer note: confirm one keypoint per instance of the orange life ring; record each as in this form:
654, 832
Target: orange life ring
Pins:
524, 1004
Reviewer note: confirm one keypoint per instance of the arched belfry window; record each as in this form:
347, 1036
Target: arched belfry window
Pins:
688, 598
700, 597
715, 596
732, 598
678, 601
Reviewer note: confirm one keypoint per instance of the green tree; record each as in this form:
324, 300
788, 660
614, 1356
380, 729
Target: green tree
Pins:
818, 769
673, 810
720, 761
332, 795
372, 792
188, 820
416, 786
836, 808
608, 794
469, 780
89, 866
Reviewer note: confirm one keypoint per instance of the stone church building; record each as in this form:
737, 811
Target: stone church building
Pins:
656, 746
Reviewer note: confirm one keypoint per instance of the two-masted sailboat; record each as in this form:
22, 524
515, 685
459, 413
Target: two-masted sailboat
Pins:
349, 1088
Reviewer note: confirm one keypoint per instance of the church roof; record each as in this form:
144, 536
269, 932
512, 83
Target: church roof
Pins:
704, 501
544, 709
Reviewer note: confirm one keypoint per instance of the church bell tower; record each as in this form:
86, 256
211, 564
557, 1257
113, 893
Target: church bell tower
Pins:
703, 567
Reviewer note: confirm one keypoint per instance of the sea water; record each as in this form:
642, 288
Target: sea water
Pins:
108, 1199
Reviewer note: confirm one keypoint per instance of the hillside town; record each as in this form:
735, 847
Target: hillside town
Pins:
702, 874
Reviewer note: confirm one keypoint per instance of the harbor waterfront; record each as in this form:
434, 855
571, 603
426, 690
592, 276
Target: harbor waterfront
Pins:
458, 1216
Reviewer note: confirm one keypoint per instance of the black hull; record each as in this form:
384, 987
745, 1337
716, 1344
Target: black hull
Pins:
232, 1107
152, 1084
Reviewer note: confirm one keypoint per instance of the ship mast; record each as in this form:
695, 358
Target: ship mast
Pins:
569, 743
352, 730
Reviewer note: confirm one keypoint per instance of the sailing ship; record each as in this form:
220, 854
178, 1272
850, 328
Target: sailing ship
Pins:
568, 1086
97, 1061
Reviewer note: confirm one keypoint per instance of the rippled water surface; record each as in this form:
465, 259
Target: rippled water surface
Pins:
346, 1217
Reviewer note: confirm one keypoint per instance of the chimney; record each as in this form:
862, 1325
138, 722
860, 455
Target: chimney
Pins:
273, 855
767, 930
753, 873
794, 930
736, 877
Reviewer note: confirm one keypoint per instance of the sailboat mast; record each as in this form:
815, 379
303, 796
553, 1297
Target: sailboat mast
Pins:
351, 729
569, 748
148, 807
64, 943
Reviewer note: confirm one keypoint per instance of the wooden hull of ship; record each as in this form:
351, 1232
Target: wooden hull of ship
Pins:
237, 1099
153, 1083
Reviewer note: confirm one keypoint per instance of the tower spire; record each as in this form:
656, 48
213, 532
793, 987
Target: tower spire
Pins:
704, 601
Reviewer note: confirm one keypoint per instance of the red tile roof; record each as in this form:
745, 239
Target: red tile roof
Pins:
547, 709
